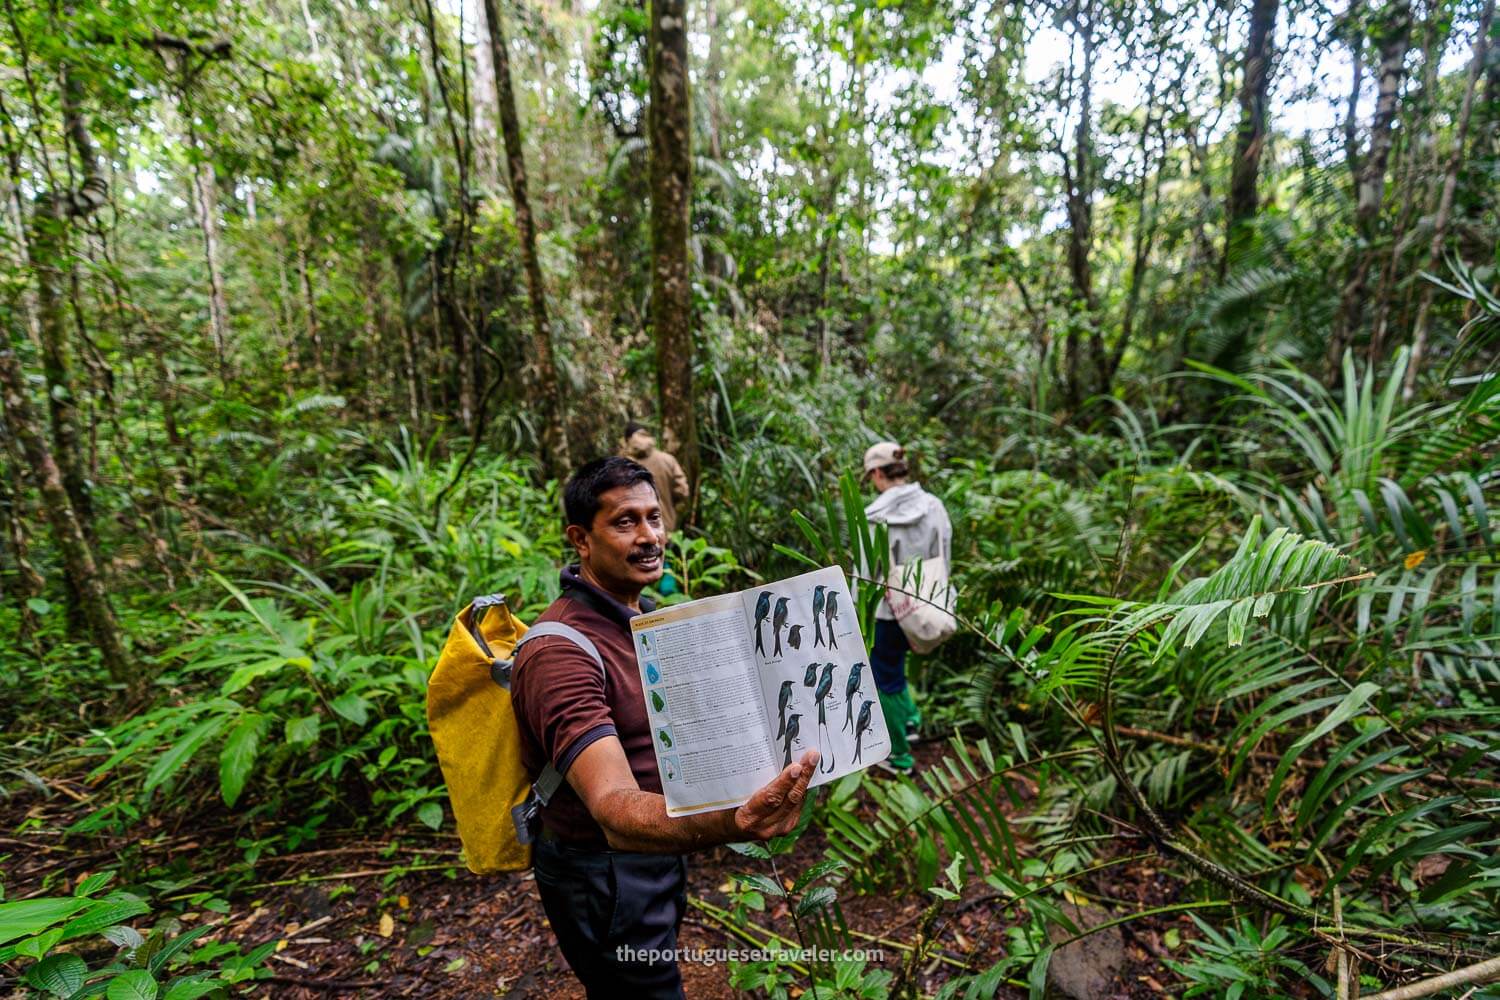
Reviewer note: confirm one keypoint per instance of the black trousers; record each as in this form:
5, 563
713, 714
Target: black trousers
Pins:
605, 904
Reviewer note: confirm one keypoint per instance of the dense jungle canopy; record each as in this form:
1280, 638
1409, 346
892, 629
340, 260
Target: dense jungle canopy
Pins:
1188, 310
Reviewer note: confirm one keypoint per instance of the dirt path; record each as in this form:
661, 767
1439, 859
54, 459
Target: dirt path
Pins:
400, 918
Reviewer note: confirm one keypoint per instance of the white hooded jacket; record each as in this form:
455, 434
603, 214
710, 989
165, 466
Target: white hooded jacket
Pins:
917, 527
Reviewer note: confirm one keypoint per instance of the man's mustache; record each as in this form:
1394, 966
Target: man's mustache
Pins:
649, 552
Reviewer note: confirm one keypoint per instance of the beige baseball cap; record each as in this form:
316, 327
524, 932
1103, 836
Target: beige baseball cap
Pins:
878, 456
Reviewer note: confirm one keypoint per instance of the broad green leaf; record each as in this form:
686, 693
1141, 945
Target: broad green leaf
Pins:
26, 917
93, 883
248, 674
137, 984
816, 899
36, 947
761, 883
183, 751
192, 989
237, 758
431, 815
115, 908
750, 849
352, 707
59, 975
828, 866
302, 730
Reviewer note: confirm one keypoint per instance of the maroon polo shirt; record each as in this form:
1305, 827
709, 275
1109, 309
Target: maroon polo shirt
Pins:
563, 704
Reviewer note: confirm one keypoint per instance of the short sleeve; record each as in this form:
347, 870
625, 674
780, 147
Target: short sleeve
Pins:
558, 690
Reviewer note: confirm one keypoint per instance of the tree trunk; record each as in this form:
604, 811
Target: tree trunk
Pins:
1445, 200
1356, 85
1250, 140
29, 582
51, 260
486, 114
67, 530
670, 126
1147, 206
556, 458
1415, 173
206, 200
1078, 179
1370, 174
314, 333
713, 78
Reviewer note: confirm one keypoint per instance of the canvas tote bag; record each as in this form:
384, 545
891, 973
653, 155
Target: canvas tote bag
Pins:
923, 600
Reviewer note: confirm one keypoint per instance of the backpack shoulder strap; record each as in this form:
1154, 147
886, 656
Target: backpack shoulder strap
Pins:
551, 779
561, 630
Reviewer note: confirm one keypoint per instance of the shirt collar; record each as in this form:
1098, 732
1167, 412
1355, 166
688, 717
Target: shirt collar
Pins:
604, 603
892, 497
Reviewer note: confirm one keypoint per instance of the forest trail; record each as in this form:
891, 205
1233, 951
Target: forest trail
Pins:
348, 903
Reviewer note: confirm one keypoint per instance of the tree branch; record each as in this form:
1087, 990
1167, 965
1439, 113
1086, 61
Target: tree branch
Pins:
1482, 972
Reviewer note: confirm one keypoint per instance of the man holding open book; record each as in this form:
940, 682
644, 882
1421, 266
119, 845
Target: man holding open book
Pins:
608, 864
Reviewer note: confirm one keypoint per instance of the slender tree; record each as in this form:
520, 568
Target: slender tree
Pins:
1250, 140
671, 195
205, 200
67, 528
1079, 177
1445, 198
53, 212
1369, 174
556, 456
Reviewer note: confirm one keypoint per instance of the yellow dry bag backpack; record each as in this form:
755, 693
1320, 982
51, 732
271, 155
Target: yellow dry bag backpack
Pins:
473, 727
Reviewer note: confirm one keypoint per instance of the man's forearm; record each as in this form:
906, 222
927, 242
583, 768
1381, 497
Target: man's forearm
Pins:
634, 820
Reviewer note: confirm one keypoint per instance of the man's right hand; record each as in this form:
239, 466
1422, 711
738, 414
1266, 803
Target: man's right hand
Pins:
776, 806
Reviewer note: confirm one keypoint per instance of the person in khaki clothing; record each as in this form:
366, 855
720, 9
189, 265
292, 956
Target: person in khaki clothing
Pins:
671, 481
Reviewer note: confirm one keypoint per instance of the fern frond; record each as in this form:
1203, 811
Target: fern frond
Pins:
1248, 586
910, 828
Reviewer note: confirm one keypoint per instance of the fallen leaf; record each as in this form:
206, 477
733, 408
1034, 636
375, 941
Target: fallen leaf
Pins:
387, 925
403, 902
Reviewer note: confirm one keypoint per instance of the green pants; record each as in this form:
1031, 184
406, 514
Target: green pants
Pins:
900, 713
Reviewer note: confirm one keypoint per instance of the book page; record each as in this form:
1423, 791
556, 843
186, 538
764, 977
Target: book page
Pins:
814, 673
703, 700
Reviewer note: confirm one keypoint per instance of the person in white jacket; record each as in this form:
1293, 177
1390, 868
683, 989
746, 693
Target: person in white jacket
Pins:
917, 527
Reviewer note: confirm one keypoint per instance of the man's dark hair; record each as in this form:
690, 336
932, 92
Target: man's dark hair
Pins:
581, 495
895, 471
633, 426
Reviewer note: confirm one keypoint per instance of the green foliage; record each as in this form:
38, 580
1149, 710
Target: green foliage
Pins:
159, 966
1244, 962
1247, 613
310, 698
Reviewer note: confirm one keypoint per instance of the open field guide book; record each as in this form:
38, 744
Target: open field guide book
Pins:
739, 686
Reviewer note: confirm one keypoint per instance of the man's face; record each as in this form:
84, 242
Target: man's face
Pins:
641, 442
623, 547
